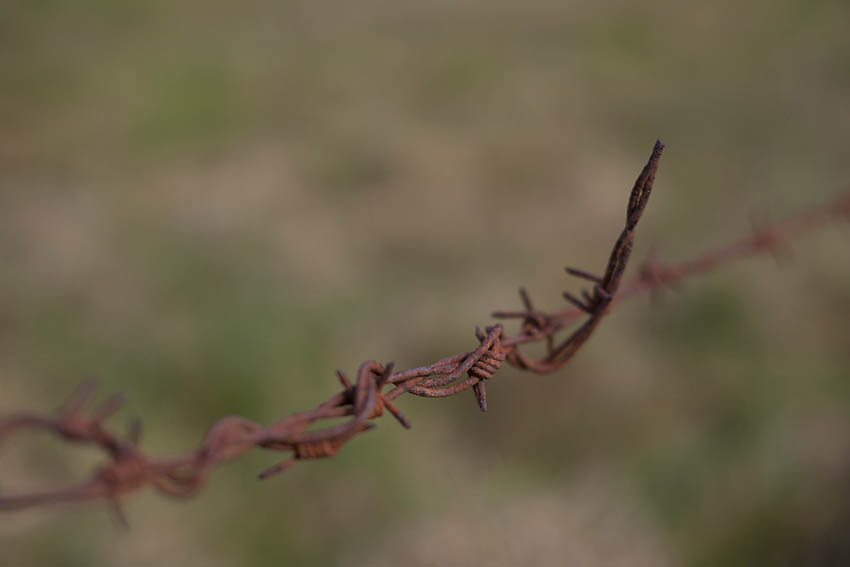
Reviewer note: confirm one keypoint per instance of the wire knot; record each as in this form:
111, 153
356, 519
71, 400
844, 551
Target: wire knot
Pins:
491, 360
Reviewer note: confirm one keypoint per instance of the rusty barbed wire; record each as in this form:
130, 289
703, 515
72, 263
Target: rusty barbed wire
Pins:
377, 385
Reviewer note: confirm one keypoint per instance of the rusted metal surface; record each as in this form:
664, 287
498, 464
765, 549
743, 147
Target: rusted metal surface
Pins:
377, 385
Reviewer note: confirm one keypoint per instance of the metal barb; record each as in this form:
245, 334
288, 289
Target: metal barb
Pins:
480, 395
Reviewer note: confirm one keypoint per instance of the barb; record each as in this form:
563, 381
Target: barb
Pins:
376, 385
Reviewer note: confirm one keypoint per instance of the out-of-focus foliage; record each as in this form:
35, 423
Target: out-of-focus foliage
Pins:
211, 206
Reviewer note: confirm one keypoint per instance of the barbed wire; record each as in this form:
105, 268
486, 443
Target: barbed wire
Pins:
377, 385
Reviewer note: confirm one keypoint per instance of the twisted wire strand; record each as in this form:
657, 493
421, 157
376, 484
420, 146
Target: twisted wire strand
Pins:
376, 385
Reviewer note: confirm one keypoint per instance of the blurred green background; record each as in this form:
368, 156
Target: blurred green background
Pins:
212, 206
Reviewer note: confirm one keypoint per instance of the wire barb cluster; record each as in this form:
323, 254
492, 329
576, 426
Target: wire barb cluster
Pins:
377, 385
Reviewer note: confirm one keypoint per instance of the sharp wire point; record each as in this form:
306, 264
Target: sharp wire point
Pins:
480, 395
576, 301
277, 468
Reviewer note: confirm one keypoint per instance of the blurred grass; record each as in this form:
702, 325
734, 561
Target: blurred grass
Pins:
212, 207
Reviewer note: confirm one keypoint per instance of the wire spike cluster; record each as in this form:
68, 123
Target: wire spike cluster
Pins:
376, 385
